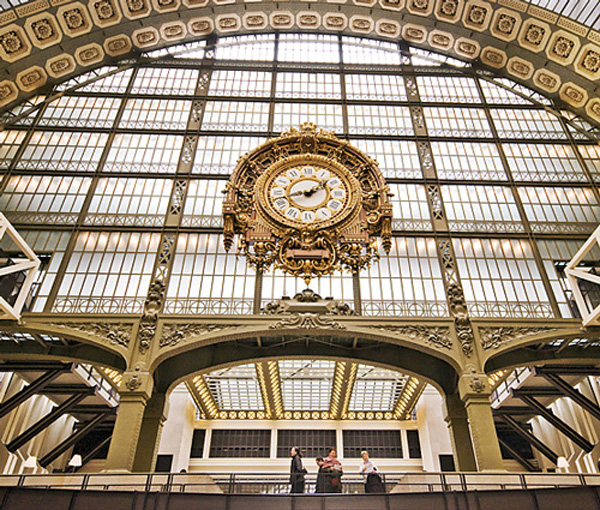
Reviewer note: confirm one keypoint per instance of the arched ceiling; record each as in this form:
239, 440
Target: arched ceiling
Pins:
43, 42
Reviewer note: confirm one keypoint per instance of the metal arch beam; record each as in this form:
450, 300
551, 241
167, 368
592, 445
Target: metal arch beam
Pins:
457, 29
549, 416
341, 388
433, 370
83, 353
529, 437
524, 356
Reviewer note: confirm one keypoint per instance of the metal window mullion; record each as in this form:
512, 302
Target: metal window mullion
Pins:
79, 224
519, 203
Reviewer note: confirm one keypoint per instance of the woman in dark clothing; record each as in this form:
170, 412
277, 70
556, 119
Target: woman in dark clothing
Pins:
320, 484
297, 471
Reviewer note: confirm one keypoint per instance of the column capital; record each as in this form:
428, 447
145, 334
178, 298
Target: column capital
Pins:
136, 384
474, 387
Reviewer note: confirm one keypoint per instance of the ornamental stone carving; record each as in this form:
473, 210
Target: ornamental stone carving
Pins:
434, 336
493, 338
31, 78
307, 321
110, 332
14, 44
534, 35
462, 324
152, 307
173, 334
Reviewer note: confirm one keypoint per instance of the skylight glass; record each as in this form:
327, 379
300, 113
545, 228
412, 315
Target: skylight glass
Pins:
306, 384
235, 388
376, 389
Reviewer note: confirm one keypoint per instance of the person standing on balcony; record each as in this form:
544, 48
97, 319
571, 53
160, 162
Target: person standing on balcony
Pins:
297, 471
373, 481
332, 468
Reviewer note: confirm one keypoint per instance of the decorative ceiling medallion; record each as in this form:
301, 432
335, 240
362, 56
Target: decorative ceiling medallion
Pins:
255, 21
60, 65
281, 19
89, 54
414, 33
534, 35
43, 30
308, 19
448, 10
309, 204
166, 5
365, 3
173, 31
573, 95
547, 80
193, 4
31, 78
420, 7
520, 68
441, 40
505, 24
226, 23
467, 48
588, 62
74, 19
13, 43
335, 21
201, 26
563, 47
361, 24
592, 108
105, 13
8, 92
145, 37
389, 5
387, 28
493, 57
477, 16
136, 9
117, 45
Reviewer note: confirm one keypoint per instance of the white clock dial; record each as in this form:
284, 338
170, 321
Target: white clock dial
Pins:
307, 193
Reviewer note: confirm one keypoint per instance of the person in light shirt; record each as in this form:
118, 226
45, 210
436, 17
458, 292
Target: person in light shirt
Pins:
373, 481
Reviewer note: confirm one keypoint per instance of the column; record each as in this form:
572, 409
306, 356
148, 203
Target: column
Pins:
155, 415
135, 392
458, 426
475, 393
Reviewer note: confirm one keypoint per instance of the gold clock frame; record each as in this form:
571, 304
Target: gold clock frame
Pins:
345, 241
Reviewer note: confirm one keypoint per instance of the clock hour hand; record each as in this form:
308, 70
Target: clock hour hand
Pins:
310, 191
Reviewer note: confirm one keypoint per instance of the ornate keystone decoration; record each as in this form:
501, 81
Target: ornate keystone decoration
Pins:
309, 204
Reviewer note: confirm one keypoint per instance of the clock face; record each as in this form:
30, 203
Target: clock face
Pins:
308, 192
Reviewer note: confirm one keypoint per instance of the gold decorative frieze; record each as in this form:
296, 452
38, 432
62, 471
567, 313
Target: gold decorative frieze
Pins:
477, 15
563, 47
361, 24
117, 45
201, 26
255, 21
105, 13
573, 26
31, 78
534, 35
74, 19
89, 54
543, 14
31, 8
43, 30
517, 5
61, 65
505, 24
588, 62
7, 17
145, 37
14, 43
226, 23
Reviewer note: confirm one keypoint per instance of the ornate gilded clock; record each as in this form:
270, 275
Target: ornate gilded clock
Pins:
308, 203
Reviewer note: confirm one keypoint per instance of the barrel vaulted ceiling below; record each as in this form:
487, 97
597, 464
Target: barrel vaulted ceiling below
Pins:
550, 46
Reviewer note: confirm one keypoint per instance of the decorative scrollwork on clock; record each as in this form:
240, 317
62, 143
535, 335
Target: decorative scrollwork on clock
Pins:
307, 203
